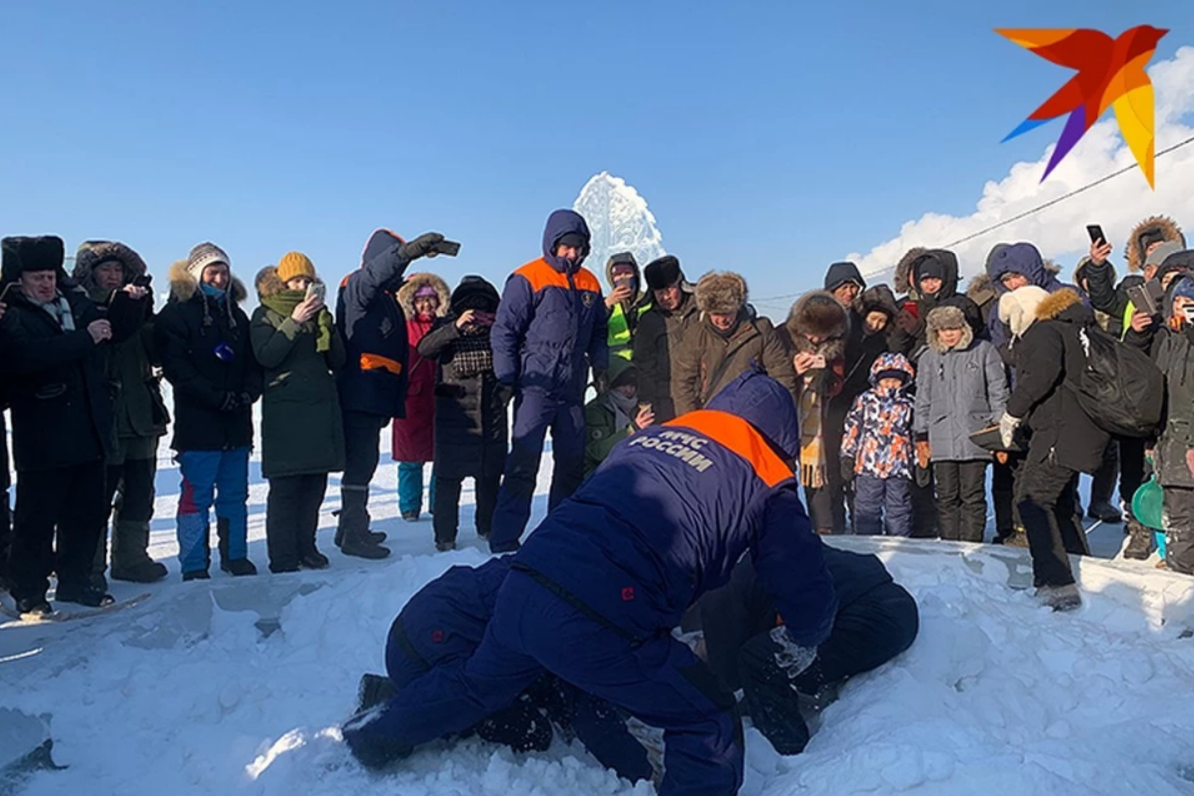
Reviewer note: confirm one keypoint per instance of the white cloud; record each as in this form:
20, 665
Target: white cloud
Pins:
1060, 231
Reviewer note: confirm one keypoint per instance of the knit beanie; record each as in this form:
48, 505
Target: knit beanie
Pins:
1161, 252
203, 255
427, 291
295, 264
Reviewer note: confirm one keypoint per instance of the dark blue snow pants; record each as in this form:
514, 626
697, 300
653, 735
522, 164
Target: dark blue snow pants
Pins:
882, 505
659, 680
534, 413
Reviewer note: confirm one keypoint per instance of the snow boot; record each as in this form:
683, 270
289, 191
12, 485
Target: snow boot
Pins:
237, 567
83, 594
130, 559
520, 726
1060, 598
97, 581
410, 516
1104, 512
445, 547
1140, 541
354, 526
199, 574
33, 608
371, 750
314, 560
374, 690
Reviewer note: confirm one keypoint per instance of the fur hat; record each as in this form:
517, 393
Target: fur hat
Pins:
948, 316
415, 282
295, 264
663, 272
203, 255
94, 253
818, 314
34, 253
1017, 308
1151, 229
721, 292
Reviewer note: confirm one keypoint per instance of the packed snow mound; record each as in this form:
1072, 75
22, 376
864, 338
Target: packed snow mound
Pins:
238, 685
619, 221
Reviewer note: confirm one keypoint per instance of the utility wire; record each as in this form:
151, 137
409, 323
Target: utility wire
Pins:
1020, 216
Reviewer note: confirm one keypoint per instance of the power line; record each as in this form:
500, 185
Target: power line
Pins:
1025, 214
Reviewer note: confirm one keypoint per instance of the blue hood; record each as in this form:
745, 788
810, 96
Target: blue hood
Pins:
1023, 259
763, 402
841, 273
380, 242
559, 224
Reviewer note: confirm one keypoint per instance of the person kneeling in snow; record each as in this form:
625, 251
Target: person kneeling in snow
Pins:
876, 620
593, 595
444, 622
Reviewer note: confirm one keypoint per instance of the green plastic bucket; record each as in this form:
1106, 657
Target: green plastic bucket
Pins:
1147, 506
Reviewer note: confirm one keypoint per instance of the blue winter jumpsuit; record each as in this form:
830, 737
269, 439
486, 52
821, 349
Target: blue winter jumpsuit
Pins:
594, 593
550, 329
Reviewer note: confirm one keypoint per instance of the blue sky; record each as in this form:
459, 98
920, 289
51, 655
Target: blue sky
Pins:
771, 138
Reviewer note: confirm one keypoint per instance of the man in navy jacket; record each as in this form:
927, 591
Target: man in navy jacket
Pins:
593, 595
372, 384
550, 330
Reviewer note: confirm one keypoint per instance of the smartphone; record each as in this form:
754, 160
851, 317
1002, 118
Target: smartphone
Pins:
1096, 233
448, 247
317, 289
1188, 312
1145, 297
145, 280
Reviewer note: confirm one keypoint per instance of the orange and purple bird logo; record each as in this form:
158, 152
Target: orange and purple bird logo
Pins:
1110, 74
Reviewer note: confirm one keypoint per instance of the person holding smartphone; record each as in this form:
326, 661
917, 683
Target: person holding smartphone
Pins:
302, 437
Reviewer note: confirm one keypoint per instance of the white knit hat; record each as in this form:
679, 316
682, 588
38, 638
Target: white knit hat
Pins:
1018, 308
203, 255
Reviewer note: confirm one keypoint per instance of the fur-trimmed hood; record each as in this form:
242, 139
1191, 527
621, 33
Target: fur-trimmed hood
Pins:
721, 292
980, 290
949, 317
1057, 303
1164, 226
1023, 259
908, 270
818, 314
878, 298
627, 258
902, 282
268, 283
406, 293
1018, 308
183, 286
93, 253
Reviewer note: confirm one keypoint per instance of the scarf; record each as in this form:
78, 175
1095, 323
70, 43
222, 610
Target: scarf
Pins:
284, 301
59, 309
811, 412
471, 354
623, 407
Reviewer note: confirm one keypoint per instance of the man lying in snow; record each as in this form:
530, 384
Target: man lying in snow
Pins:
445, 622
594, 594
876, 621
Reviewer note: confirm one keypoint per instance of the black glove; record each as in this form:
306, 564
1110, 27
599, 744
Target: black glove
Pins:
847, 470
420, 246
924, 477
504, 393
231, 402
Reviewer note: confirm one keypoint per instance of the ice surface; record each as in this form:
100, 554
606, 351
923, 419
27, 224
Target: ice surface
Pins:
619, 221
239, 685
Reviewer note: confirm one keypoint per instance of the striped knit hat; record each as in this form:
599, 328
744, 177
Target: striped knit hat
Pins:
203, 255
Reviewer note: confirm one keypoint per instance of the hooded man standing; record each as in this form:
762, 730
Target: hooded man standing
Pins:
626, 303
660, 330
550, 330
372, 384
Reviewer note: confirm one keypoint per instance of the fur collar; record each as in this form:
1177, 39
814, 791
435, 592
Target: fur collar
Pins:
1056, 303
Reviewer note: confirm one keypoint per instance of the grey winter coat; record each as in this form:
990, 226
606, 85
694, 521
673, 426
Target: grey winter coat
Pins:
958, 391
1174, 355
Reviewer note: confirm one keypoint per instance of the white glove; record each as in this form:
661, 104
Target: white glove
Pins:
791, 657
1007, 429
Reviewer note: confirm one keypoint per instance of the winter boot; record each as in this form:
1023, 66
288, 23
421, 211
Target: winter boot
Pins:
369, 748
374, 690
352, 508
83, 594
1140, 541
237, 567
97, 581
130, 561
445, 547
1060, 598
314, 560
410, 516
1105, 512
199, 574
33, 608
354, 525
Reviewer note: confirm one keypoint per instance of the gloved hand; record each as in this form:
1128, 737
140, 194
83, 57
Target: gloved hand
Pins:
1007, 429
848, 470
231, 402
504, 393
924, 477
923, 453
370, 748
601, 382
420, 246
791, 657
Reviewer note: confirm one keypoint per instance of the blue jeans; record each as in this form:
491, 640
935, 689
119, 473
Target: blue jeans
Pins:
212, 477
410, 488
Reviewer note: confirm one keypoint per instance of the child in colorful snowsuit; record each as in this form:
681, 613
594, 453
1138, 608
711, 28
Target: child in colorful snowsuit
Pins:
877, 450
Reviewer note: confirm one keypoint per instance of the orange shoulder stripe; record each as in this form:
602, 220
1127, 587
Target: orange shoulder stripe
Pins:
731, 431
540, 274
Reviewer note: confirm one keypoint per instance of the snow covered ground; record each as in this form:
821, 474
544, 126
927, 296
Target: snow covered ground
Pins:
238, 685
